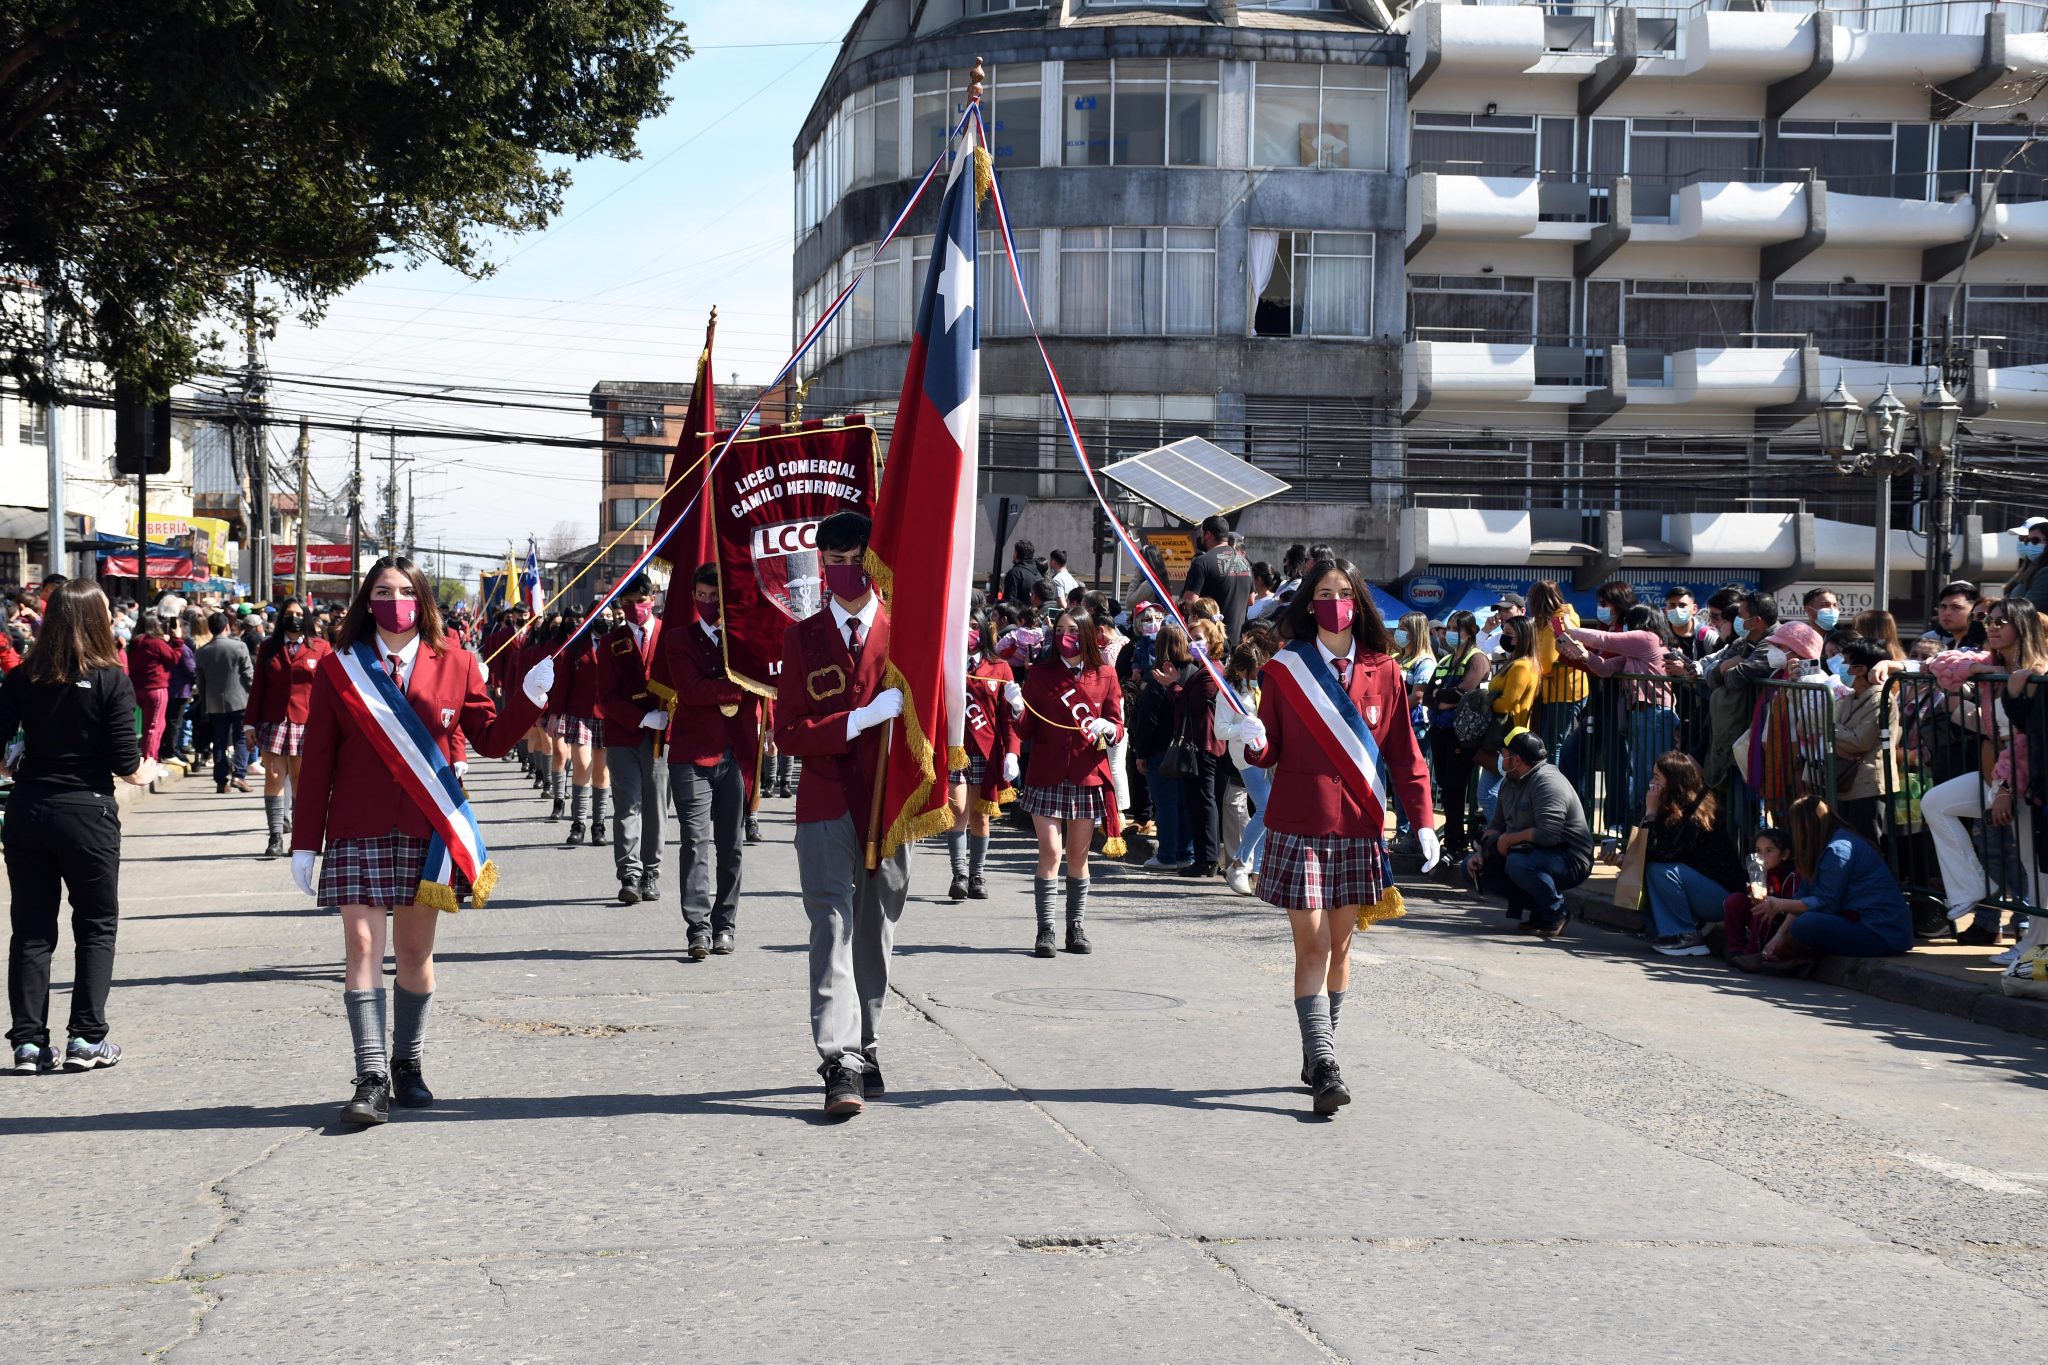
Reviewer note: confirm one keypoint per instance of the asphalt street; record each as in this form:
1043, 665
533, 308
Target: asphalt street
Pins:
1556, 1152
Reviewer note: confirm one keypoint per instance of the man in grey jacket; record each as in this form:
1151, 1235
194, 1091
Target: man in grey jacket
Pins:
225, 672
1537, 846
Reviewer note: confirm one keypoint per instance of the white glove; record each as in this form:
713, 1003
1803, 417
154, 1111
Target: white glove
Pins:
1100, 729
538, 680
1252, 731
1014, 695
461, 772
886, 706
302, 873
654, 720
1011, 768
1432, 848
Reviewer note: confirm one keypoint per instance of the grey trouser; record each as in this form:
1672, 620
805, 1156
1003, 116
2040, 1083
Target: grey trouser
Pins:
711, 808
853, 925
636, 807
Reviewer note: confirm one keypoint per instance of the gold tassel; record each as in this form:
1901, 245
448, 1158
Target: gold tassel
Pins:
984, 174
956, 759
436, 896
485, 885
1115, 848
1390, 905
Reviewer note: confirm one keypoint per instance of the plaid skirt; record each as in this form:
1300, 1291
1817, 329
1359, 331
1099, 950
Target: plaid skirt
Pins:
280, 737
384, 870
974, 774
1320, 871
1067, 801
575, 729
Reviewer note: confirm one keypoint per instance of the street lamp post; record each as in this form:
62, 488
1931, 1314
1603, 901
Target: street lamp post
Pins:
1880, 450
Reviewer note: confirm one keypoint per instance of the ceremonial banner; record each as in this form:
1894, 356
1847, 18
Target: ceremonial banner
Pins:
924, 522
682, 502
767, 497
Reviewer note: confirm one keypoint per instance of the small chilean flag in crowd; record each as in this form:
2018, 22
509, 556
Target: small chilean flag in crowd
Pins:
924, 518
529, 578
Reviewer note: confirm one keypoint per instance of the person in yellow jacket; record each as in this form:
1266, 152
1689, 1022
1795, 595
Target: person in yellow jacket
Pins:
1513, 689
1561, 695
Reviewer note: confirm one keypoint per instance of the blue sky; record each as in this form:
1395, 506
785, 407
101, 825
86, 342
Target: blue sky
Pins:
617, 288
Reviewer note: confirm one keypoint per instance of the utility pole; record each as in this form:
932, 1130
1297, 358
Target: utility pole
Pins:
252, 425
305, 493
391, 500
53, 445
411, 508
142, 523
355, 521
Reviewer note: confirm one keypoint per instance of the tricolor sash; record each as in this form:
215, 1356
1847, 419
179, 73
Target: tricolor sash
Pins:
1301, 676
389, 725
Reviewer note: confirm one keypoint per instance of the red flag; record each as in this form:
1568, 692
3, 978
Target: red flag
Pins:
924, 524
693, 542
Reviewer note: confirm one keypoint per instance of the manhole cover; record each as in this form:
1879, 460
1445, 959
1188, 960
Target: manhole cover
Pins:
1085, 999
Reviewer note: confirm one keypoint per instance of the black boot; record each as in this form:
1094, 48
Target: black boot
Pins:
1077, 911
559, 807
371, 1103
275, 848
977, 889
408, 1087
575, 834
958, 891
1041, 898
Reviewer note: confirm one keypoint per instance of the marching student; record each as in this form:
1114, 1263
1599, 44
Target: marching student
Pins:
832, 712
583, 733
275, 723
1073, 712
378, 791
714, 758
548, 639
634, 721
982, 788
1334, 688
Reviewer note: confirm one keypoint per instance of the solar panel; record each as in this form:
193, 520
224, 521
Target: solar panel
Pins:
1193, 478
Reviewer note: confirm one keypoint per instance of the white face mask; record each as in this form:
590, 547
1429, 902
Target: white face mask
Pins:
1775, 656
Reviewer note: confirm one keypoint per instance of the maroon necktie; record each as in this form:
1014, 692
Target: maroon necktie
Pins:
1343, 667
394, 664
853, 640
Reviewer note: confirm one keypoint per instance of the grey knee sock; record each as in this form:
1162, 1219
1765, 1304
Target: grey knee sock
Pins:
366, 1025
409, 1030
1313, 1013
977, 853
1077, 900
956, 850
1336, 1008
1041, 900
579, 802
273, 813
597, 801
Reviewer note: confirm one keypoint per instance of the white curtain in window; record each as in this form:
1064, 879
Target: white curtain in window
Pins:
1339, 285
1265, 249
1134, 281
1084, 281
1190, 281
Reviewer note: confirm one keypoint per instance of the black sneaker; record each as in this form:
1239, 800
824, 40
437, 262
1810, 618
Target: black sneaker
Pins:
1330, 1091
1681, 945
275, 848
371, 1103
1077, 939
753, 830
977, 889
871, 1084
1982, 933
700, 946
721, 943
958, 891
843, 1085
408, 1087
1047, 945
650, 886
1199, 870
598, 837
782, 789
629, 894
555, 813
575, 834
33, 1060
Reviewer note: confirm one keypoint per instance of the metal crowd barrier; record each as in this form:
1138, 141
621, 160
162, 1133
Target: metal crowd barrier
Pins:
1941, 750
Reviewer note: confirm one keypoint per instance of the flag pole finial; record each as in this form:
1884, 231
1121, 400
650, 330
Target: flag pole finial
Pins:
976, 79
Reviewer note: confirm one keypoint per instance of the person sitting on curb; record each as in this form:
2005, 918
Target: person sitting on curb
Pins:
1691, 861
1538, 845
1852, 906
1749, 926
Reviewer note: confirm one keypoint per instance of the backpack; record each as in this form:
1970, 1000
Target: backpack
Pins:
1474, 718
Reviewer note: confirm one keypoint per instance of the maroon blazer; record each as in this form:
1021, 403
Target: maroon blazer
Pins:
1308, 793
1059, 754
283, 686
344, 789
987, 732
622, 695
698, 732
820, 684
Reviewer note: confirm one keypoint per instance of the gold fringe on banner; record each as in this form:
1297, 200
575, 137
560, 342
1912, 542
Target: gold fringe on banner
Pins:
1391, 905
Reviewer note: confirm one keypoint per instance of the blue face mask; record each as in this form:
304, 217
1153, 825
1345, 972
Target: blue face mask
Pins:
1400, 637
1839, 667
1606, 614
1678, 616
2031, 549
1826, 618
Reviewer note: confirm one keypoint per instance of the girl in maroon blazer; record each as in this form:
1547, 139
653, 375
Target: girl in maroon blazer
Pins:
1073, 711
583, 733
1325, 854
983, 787
275, 722
375, 835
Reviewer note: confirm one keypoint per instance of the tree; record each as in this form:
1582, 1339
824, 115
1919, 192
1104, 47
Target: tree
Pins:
157, 154
563, 541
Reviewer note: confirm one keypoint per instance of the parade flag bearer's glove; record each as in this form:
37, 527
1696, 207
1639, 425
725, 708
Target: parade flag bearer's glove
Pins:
1431, 847
538, 680
1014, 695
1099, 729
654, 720
302, 873
1252, 731
1011, 768
886, 706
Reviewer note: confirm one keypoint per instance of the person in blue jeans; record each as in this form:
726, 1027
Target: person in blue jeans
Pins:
1537, 846
1153, 728
1852, 907
1692, 865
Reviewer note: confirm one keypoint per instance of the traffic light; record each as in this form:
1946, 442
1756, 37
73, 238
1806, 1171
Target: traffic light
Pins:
1105, 540
142, 434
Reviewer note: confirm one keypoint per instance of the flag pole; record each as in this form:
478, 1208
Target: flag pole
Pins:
875, 801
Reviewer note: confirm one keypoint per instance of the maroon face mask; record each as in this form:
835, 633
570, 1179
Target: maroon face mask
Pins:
846, 581
707, 612
639, 612
1334, 613
396, 615
1070, 646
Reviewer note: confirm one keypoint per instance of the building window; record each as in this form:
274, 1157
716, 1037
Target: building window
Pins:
871, 144
875, 313
1000, 312
625, 510
1311, 284
1659, 317
1667, 154
640, 421
1116, 281
1014, 115
34, 424
2009, 320
1473, 144
636, 466
1002, 6
1328, 117
937, 101
1140, 112
1848, 321
1856, 158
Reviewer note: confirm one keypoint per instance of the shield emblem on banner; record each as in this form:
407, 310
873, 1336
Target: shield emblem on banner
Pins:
786, 567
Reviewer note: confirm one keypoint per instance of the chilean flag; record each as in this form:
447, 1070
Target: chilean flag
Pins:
530, 586
924, 519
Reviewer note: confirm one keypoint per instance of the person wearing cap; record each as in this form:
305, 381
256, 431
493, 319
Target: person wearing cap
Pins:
1537, 845
634, 723
2031, 582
